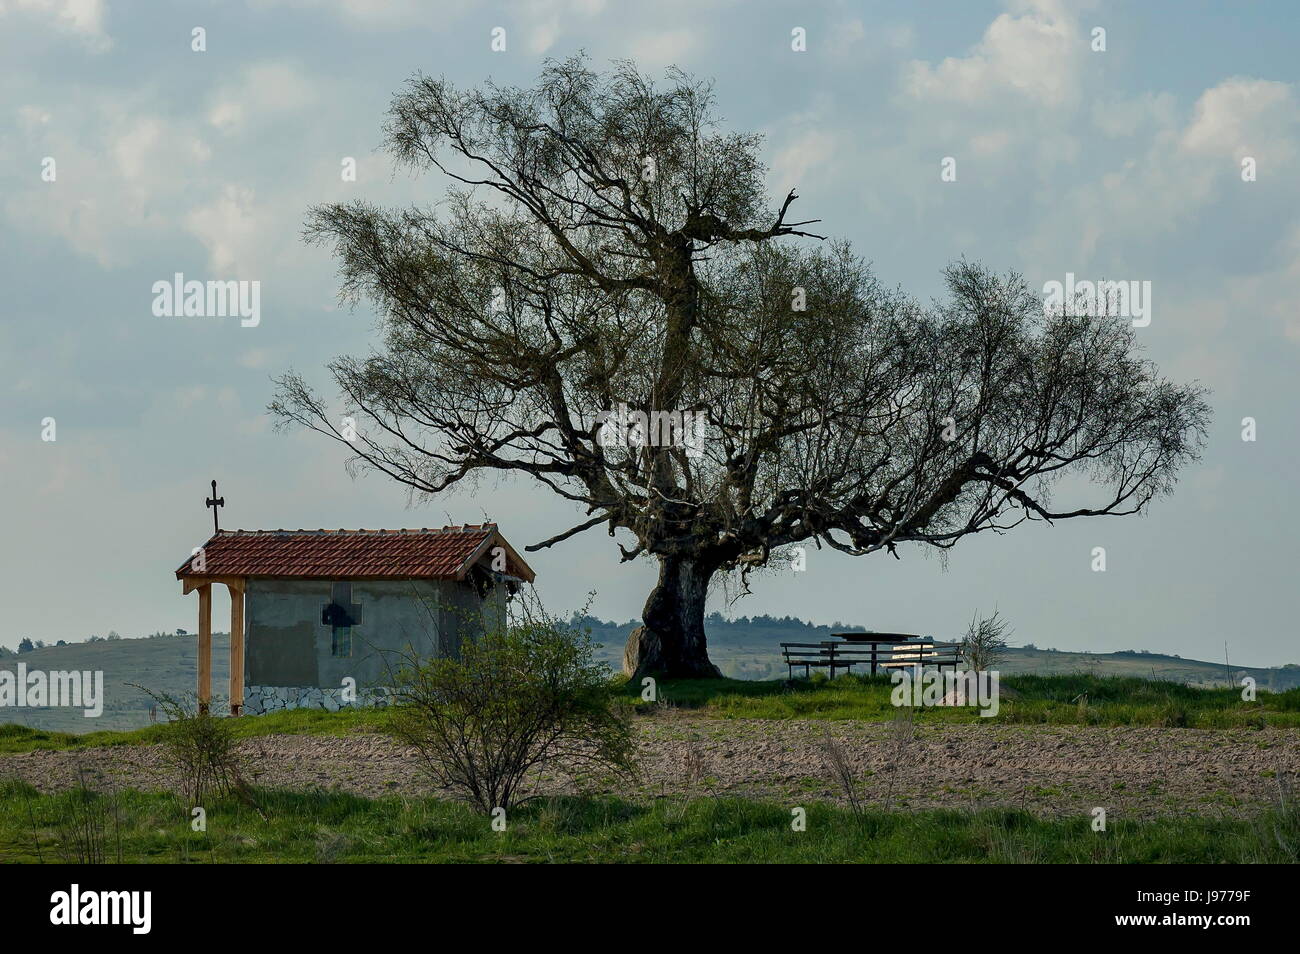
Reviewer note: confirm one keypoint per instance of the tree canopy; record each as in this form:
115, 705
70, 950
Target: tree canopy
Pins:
605, 244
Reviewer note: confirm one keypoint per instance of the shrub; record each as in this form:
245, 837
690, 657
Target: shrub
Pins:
83, 830
985, 642
199, 747
523, 698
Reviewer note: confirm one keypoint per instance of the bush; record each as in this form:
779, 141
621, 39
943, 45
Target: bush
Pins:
522, 699
985, 643
199, 747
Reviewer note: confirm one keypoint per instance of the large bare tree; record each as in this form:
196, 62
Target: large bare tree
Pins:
603, 244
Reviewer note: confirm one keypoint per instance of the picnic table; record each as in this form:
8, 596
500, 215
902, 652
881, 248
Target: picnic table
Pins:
881, 650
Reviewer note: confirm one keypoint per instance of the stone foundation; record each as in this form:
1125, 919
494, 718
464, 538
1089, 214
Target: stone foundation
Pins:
262, 699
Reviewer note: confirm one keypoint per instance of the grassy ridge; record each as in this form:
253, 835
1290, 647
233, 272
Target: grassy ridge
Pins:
1052, 700
322, 826
747, 649
1045, 700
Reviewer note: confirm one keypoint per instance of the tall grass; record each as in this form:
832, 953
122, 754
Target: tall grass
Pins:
320, 826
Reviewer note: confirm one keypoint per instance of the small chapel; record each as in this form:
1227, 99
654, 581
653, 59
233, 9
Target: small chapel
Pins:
318, 618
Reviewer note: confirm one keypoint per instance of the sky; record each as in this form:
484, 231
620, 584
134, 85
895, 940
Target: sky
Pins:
1122, 163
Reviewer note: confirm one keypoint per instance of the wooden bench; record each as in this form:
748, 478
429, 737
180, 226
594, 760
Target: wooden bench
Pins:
831, 656
885, 654
925, 653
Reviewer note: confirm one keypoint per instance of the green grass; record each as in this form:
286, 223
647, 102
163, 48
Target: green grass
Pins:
1077, 699
19, 738
322, 826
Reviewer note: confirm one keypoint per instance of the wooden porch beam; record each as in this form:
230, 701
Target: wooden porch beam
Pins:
236, 646
205, 646
191, 583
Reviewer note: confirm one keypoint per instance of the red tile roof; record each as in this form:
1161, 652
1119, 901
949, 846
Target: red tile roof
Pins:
445, 554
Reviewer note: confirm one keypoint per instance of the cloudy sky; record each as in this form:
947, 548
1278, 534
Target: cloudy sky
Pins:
1122, 163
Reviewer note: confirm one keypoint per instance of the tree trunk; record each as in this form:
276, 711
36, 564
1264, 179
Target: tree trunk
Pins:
671, 642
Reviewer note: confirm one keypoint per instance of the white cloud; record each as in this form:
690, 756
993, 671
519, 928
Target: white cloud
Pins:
228, 228
255, 359
1184, 168
1244, 117
806, 150
263, 91
372, 14
844, 38
540, 23
1120, 117
1035, 55
656, 50
1273, 295
990, 143
82, 18
226, 115
852, 40
542, 36
537, 24
136, 147
33, 118
117, 168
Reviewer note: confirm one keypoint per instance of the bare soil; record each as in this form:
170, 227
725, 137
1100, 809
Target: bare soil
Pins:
1050, 770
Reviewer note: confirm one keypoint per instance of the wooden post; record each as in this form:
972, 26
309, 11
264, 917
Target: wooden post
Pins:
205, 646
236, 646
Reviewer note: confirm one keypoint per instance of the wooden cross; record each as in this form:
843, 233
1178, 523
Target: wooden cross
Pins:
214, 502
340, 611
340, 614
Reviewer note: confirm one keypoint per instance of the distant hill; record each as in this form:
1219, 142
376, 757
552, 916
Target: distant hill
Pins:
743, 648
162, 663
